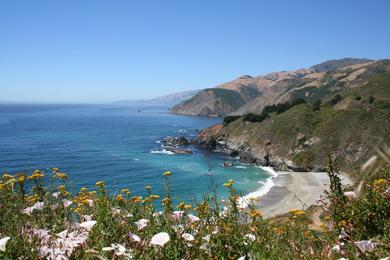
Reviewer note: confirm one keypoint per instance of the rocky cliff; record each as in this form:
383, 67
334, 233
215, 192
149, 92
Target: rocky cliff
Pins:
348, 125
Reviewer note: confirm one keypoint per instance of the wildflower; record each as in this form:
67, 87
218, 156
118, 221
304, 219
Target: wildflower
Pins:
137, 199
154, 197
255, 213
2, 186
229, 183
160, 239
83, 189
193, 218
165, 201
119, 198
55, 170
188, 237
88, 224
126, 191
29, 210
134, 237
350, 194
61, 176
250, 237
21, 178
3, 243
183, 206
343, 223
366, 245
100, 184
7, 176
167, 173
142, 223
296, 212
177, 214
119, 250
206, 238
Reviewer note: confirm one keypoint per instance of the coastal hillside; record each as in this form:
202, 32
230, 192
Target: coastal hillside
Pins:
349, 124
246, 94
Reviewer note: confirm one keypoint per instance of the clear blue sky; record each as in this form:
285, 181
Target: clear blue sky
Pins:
101, 51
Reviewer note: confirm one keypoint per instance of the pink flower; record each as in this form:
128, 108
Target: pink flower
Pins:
366, 245
67, 203
88, 224
142, 223
134, 237
193, 218
160, 239
177, 215
37, 206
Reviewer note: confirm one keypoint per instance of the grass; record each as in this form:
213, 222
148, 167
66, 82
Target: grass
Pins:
43, 221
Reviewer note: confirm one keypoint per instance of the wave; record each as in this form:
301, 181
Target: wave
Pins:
162, 152
264, 189
240, 167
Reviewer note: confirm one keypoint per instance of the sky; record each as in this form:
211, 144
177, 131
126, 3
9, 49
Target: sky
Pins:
94, 51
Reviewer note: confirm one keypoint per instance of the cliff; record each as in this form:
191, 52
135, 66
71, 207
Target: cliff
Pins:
349, 124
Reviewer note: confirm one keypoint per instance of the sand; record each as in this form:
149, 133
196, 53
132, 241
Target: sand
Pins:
295, 190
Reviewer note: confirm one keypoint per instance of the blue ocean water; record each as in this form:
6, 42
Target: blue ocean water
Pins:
117, 145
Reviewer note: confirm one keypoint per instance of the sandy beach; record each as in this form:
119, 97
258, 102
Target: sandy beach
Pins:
294, 190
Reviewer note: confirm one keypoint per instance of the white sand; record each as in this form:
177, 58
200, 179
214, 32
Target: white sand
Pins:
295, 190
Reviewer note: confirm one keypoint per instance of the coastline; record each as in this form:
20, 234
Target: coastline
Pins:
284, 191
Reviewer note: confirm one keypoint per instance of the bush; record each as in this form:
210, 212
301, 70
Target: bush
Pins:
336, 99
250, 117
228, 119
317, 105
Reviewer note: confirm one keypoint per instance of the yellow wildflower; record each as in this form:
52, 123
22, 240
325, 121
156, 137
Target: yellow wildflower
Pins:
8, 176
154, 197
100, 184
166, 201
55, 170
137, 199
2, 186
255, 213
167, 173
229, 183
119, 197
126, 191
83, 190
61, 176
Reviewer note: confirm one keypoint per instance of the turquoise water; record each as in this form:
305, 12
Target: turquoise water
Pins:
115, 144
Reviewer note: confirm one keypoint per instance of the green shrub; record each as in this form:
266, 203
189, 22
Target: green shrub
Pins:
228, 119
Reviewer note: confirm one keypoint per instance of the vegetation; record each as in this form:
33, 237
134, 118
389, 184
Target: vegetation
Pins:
228, 119
278, 109
48, 221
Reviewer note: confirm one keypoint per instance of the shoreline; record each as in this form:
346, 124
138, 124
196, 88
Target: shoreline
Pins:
284, 191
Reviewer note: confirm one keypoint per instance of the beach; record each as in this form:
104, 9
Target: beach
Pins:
293, 190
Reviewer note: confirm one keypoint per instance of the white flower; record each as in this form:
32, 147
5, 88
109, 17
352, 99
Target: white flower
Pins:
37, 206
206, 238
188, 237
250, 237
350, 194
135, 237
119, 250
193, 218
366, 245
67, 203
160, 239
62, 234
3, 242
142, 223
158, 213
55, 194
115, 211
88, 224
241, 258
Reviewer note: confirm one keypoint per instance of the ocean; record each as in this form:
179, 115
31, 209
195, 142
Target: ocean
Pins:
120, 145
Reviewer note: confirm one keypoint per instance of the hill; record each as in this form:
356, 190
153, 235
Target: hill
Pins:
167, 100
349, 124
249, 94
